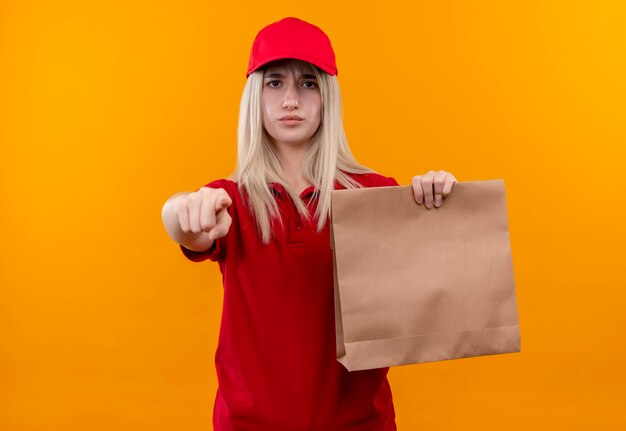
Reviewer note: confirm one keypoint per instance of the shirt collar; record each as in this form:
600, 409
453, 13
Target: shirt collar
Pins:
279, 190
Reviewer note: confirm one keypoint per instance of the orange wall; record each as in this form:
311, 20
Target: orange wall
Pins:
108, 108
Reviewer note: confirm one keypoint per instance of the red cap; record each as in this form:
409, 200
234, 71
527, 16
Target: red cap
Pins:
292, 38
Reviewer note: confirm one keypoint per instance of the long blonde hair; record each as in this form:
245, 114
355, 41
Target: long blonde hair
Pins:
326, 159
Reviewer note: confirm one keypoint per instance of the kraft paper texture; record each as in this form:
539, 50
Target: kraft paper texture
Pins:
414, 285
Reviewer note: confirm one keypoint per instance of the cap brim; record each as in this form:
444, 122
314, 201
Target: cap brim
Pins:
314, 62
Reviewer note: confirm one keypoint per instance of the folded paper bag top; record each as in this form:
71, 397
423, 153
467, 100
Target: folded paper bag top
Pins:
417, 285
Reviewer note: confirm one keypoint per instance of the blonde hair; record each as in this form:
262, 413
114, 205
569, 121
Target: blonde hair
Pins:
326, 159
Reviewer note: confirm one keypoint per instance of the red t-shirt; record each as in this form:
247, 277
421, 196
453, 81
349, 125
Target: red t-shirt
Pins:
276, 360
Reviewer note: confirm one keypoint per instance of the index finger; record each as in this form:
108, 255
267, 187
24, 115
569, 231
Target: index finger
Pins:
418, 193
223, 201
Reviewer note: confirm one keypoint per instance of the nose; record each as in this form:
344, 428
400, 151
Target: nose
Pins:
291, 95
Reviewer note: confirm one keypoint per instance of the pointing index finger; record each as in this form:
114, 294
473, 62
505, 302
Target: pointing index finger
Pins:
223, 201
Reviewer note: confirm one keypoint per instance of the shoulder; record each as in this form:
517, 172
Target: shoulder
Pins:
223, 183
373, 179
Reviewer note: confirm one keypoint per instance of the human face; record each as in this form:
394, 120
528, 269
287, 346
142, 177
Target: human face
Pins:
290, 89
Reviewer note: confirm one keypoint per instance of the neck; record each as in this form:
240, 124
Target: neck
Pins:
290, 157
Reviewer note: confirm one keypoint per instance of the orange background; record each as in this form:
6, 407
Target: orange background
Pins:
108, 108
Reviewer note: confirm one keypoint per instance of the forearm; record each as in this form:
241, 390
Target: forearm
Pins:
193, 241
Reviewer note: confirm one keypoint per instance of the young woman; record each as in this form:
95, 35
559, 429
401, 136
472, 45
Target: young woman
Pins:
267, 226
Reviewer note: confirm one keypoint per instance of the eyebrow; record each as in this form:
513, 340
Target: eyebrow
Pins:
280, 75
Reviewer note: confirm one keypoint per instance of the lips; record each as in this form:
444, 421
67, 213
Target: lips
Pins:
291, 117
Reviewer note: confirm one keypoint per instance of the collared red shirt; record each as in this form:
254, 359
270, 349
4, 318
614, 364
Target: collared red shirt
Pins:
276, 361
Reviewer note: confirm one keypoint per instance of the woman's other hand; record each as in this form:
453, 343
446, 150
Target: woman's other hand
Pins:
432, 187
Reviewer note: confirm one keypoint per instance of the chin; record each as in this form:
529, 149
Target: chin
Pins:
293, 139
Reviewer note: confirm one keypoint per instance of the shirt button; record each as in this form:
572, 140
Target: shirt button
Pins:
298, 227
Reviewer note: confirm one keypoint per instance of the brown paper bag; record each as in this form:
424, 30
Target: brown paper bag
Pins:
415, 285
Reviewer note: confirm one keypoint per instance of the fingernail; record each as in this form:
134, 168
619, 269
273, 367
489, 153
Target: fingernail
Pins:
437, 201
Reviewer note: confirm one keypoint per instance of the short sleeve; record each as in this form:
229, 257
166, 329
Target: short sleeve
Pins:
392, 181
214, 253
383, 181
217, 251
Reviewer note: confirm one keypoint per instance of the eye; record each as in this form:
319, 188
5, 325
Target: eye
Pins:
270, 83
311, 82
